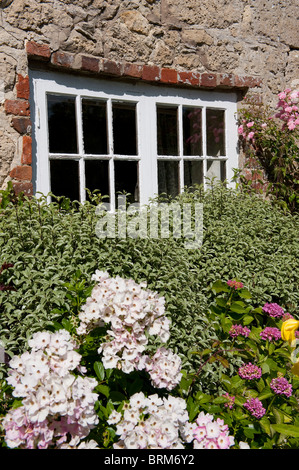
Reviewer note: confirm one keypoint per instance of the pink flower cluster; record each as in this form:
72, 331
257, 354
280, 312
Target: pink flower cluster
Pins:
152, 423
163, 423
244, 128
250, 372
255, 407
132, 312
211, 434
230, 401
281, 386
239, 330
288, 110
235, 284
288, 113
57, 407
269, 333
274, 310
164, 368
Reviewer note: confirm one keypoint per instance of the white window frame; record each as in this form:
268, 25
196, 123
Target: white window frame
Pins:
147, 97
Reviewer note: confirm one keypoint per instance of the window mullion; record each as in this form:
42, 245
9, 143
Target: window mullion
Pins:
181, 147
43, 169
111, 152
204, 144
80, 148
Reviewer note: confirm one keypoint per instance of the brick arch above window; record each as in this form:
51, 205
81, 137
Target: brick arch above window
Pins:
145, 72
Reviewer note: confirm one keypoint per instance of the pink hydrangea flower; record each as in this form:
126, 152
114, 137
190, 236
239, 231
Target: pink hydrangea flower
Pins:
281, 386
235, 284
270, 333
230, 401
255, 407
250, 372
239, 330
274, 310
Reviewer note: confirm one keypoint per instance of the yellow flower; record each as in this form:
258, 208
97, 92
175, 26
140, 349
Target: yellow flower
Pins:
288, 330
295, 369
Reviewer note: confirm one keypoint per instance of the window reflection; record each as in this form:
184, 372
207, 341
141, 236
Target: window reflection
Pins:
193, 172
215, 131
94, 121
167, 130
62, 124
124, 128
126, 179
97, 176
168, 177
192, 131
216, 169
65, 178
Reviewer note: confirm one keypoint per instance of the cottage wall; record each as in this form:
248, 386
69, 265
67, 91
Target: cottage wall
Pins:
250, 46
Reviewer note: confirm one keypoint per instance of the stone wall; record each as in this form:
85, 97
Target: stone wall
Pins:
240, 44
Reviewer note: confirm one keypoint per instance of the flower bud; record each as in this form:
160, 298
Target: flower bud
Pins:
288, 330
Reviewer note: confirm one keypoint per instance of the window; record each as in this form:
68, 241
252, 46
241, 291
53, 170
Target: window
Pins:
133, 137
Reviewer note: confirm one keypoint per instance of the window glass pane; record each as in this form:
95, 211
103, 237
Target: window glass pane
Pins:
62, 124
215, 132
94, 126
167, 130
216, 168
193, 172
192, 131
65, 178
168, 177
97, 176
124, 129
126, 179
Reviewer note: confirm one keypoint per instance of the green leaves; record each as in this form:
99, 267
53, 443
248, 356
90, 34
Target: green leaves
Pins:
238, 307
220, 286
99, 370
286, 429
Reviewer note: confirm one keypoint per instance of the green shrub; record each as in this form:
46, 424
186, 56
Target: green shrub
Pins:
272, 141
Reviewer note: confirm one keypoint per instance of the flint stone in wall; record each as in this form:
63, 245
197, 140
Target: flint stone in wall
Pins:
206, 13
278, 21
7, 153
8, 67
135, 22
162, 54
291, 73
196, 36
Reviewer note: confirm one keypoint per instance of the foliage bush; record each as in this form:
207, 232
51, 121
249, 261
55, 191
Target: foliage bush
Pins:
75, 396
272, 140
54, 251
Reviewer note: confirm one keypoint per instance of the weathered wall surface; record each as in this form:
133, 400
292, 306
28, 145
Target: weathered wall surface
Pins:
242, 38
